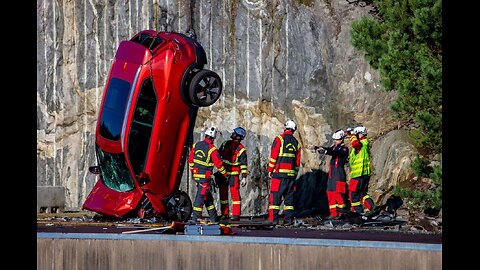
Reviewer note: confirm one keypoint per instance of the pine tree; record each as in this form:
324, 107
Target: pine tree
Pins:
403, 40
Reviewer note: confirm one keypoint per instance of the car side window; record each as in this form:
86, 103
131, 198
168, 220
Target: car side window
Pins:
142, 124
114, 109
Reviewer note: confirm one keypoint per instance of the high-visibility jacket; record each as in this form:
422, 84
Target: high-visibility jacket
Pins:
359, 157
203, 156
285, 156
234, 157
336, 172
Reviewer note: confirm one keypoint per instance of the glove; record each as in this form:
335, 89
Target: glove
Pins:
243, 181
218, 174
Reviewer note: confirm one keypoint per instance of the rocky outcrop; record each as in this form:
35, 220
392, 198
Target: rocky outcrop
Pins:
392, 156
278, 60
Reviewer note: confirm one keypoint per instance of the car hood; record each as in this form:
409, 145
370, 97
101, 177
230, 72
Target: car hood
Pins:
111, 203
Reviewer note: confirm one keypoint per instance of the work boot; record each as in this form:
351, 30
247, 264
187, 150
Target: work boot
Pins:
235, 218
224, 217
194, 219
367, 213
215, 219
288, 222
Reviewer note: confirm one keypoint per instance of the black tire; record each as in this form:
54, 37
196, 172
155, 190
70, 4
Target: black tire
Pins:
179, 206
205, 88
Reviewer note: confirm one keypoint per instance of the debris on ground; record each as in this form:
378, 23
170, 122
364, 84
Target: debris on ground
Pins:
390, 216
172, 228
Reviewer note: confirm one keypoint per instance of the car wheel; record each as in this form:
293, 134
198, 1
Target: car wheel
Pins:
205, 88
179, 206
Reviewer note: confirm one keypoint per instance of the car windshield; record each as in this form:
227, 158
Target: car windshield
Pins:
114, 109
114, 170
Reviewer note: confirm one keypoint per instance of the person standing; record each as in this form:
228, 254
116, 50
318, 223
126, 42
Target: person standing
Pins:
234, 157
283, 167
202, 158
359, 170
337, 178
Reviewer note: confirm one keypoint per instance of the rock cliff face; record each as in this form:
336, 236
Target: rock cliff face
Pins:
278, 60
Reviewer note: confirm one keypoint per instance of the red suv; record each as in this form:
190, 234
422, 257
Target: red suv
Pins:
154, 88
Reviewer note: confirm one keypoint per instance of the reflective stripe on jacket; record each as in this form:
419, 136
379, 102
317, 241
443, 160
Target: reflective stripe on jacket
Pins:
359, 161
234, 157
285, 156
203, 156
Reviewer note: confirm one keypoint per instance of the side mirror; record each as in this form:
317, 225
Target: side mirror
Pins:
143, 179
94, 169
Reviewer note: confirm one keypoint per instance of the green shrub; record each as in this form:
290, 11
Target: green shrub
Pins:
429, 197
403, 40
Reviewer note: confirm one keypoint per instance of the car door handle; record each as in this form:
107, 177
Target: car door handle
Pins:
167, 97
159, 146
176, 52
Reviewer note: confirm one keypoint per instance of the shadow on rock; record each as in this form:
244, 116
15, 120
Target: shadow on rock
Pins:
310, 196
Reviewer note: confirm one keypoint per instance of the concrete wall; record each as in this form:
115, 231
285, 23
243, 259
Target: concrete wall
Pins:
57, 251
50, 199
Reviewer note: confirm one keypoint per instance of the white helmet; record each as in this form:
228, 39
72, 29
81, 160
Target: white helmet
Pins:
360, 129
338, 135
212, 132
291, 125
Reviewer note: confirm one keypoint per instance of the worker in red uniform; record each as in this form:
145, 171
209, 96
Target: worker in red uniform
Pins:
283, 169
359, 159
234, 157
203, 156
337, 178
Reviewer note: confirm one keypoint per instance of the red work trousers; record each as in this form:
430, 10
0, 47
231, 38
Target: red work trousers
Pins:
232, 183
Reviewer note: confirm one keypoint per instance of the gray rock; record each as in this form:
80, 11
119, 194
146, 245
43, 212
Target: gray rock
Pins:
278, 60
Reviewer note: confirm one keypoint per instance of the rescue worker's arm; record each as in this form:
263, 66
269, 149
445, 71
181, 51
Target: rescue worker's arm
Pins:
338, 151
190, 158
221, 149
327, 150
242, 158
354, 142
273, 155
217, 161
299, 155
